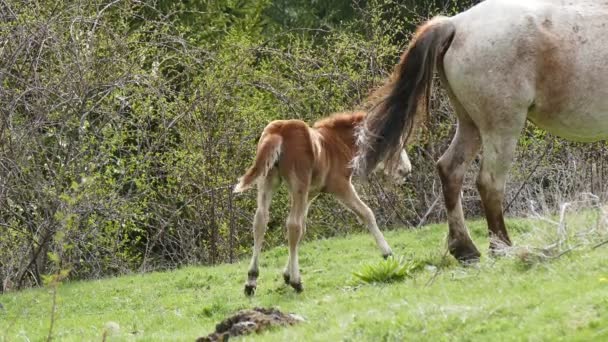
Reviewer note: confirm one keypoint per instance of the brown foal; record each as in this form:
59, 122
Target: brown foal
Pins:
310, 161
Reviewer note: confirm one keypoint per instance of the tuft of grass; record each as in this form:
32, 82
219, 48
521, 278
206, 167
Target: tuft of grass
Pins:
387, 271
581, 225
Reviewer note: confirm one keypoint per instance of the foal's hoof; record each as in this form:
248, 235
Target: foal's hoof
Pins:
286, 278
249, 290
297, 286
466, 254
387, 255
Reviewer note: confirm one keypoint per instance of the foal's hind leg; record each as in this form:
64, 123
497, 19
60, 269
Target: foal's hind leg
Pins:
348, 196
260, 221
295, 231
286, 270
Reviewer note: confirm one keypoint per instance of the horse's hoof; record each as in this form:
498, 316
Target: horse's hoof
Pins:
388, 255
469, 260
499, 248
466, 254
286, 278
497, 252
297, 286
253, 274
249, 290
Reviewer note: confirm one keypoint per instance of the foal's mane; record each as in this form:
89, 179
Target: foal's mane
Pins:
340, 120
338, 132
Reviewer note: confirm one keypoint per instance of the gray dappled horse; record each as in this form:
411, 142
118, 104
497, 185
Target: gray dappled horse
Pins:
502, 62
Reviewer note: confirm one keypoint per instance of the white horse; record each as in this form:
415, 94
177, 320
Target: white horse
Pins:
309, 161
502, 62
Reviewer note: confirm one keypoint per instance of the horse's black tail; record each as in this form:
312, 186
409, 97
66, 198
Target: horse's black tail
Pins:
389, 124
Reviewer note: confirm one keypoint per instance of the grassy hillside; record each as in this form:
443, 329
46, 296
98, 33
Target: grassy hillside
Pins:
513, 298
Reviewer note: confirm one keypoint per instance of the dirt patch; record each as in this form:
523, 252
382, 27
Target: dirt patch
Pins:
247, 321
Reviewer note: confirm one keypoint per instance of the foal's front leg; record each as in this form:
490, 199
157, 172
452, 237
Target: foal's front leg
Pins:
348, 196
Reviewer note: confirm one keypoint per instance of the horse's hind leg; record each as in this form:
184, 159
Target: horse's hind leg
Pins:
260, 221
498, 151
348, 196
452, 167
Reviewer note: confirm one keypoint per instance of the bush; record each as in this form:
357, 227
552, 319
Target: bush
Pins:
126, 124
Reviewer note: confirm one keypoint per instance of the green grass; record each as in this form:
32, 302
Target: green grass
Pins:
504, 299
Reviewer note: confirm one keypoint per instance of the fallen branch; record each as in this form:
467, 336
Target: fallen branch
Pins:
428, 212
600, 244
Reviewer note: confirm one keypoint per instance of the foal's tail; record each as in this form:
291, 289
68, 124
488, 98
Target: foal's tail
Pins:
390, 122
269, 150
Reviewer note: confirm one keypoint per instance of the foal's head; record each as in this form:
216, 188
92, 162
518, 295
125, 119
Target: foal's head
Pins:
396, 169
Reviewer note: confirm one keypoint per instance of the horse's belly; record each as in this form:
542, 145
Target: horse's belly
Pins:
583, 127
